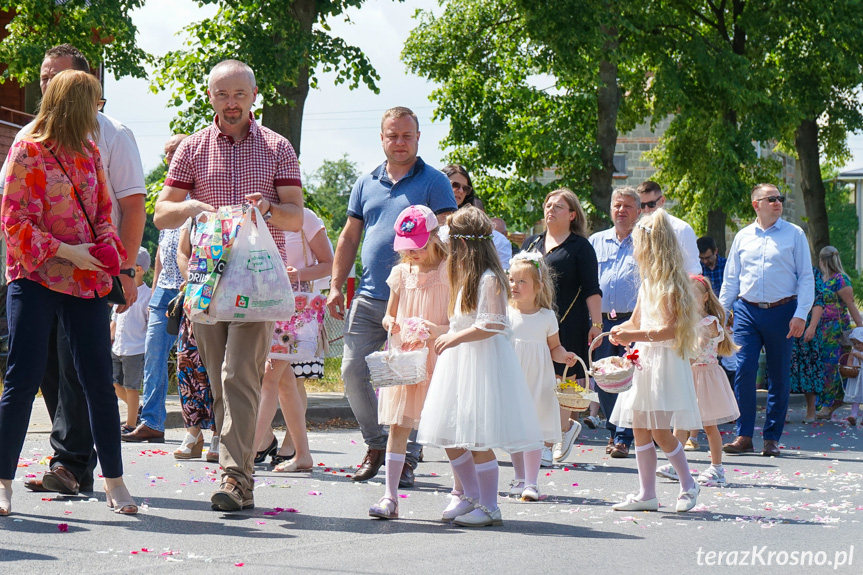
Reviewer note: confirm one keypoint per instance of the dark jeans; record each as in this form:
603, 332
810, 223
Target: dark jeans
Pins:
755, 328
32, 308
607, 400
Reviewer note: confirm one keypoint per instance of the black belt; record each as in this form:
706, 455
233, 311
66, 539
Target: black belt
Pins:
768, 305
618, 316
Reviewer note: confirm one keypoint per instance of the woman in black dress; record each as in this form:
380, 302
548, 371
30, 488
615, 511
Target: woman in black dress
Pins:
577, 295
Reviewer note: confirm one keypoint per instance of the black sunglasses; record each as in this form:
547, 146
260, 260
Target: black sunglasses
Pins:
457, 186
101, 104
773, 199
652, 204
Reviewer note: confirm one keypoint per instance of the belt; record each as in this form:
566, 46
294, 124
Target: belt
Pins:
766, 305
618, 317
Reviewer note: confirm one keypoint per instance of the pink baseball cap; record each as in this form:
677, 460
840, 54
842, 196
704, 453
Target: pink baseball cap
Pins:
413, 227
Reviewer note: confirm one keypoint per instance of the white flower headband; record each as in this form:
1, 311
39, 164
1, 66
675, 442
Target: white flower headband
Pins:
531, 257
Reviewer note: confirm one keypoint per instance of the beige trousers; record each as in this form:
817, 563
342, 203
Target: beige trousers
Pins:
234, 355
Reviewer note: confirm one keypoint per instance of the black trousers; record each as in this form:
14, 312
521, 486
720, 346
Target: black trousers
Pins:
71, 437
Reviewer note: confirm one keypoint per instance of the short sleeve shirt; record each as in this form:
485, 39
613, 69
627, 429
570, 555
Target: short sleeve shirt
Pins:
312, 224
377, 201
221, 171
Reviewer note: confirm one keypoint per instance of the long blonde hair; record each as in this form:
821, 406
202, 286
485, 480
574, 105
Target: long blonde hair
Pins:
541, 274
831, 263
437, 249
714, 308
67, 114
664, 277
471, 253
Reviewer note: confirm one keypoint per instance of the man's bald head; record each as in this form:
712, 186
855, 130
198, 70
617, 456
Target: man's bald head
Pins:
229, 68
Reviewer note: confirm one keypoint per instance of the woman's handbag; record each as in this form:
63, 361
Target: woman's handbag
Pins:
116, 295
175, 312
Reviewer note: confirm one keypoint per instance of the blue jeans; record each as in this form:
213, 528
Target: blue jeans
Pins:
364, 334
157, 348
755, 328
607, 400
31, 309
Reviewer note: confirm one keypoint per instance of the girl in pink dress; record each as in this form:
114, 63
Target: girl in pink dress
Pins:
418, 289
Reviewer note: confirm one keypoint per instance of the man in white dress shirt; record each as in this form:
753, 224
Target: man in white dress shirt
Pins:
652, 198
768, 312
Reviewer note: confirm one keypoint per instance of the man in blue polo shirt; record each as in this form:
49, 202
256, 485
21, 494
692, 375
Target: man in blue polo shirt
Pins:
375, 203
619, 281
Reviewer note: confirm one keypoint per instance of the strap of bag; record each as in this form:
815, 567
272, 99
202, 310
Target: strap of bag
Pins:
305, 253
530, 248
75, 190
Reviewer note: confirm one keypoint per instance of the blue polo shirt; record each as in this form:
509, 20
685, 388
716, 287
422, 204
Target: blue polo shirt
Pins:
618, 272
377, 201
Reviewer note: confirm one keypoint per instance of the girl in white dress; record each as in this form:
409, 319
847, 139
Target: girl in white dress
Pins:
537, 343
662, 396
854, 385
478, 398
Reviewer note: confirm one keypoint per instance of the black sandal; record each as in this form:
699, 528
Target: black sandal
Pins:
277, 459
260, 456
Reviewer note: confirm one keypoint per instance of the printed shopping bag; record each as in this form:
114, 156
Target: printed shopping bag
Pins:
297, 339
212, 236
254, 285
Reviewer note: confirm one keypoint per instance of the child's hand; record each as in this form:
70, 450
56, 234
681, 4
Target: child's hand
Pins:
412, 345
571, 359
390, 324
445, 342
435, 330
619, 336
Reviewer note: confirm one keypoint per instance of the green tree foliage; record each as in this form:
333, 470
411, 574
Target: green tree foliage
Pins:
844, 223
330, 187
286, 43
102, 31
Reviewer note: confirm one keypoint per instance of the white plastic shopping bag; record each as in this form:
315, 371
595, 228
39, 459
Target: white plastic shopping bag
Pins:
254, 285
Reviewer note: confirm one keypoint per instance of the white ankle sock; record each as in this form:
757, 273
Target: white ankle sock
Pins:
394, 462
464, 468
645, 460
487, 474
518, 465
677, 458
532, 461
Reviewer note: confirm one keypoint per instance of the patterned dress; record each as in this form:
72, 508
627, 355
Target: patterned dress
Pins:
192, 381
807, 370
834, 322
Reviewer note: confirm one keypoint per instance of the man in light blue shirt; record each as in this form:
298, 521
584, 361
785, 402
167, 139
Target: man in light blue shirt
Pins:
769, 285
619, 281
375, 203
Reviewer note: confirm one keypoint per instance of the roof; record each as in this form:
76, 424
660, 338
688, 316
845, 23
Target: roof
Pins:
856, 174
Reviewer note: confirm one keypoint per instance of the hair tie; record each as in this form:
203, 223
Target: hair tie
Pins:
531, 257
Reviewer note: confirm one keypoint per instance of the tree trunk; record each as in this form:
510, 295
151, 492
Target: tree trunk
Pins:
716, 229
607, 104
806, 143
287, 119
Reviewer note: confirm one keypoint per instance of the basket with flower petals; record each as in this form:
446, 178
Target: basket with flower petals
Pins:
613, 374
570, 395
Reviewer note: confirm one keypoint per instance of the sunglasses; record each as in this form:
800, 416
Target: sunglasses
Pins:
101, 104
457, 186
773, 199
651, 204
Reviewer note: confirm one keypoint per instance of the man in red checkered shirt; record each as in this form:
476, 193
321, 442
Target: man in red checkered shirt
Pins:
233, 161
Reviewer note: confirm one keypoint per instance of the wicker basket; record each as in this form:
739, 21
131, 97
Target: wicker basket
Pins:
616, 382
392, 367
569, 398
845, 370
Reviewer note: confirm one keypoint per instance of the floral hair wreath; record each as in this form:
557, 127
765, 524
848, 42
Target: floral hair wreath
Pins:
470, 237
531, 257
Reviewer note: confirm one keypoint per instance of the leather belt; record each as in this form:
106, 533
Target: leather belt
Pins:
766, 305
619, 317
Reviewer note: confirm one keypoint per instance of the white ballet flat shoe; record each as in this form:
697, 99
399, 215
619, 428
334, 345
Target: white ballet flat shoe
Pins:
482, 516
458, 507
633, 504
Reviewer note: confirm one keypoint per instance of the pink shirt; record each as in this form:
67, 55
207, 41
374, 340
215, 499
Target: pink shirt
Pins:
221, 171
39, 212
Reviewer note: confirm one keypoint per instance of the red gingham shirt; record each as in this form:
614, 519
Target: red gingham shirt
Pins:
220, 171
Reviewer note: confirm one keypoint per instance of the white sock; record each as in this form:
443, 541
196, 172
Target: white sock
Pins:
518, 467
677, 458
487, 474
464, 468
532, 461
394, 462
645, 460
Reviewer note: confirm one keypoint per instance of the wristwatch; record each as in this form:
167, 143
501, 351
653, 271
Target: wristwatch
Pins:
128, 272
269, 213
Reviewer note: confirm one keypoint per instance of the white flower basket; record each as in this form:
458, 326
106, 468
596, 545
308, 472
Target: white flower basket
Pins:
392, 367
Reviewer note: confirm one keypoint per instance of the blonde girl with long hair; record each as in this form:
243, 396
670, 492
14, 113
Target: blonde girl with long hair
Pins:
418, 289
478, 398
665, 325
537, 343
716, 401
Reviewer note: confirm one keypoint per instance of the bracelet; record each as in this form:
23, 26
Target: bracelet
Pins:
648, 335
597, 325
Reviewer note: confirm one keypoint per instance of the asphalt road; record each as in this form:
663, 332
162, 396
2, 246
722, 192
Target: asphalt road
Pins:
805, 507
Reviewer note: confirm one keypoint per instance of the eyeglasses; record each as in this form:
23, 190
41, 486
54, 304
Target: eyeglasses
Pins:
556, 207
457, 186
651, 204
100, 105
773, 199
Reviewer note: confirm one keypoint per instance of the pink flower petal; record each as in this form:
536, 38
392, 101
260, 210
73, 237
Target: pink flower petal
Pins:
63, 527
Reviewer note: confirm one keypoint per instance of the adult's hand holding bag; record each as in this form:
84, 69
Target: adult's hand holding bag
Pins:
254, 285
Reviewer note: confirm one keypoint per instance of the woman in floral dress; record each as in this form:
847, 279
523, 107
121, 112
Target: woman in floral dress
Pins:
838, 304
807, 369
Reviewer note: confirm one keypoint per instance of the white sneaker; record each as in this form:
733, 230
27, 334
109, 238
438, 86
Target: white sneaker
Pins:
516, 487
562, 449
547, 458
530, 493
592, 421
712, 476
668, 472
687, 499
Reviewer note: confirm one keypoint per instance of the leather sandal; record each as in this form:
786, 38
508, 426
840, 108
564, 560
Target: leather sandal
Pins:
5, 497
120, 500
192, 447
386, 508
291, 466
